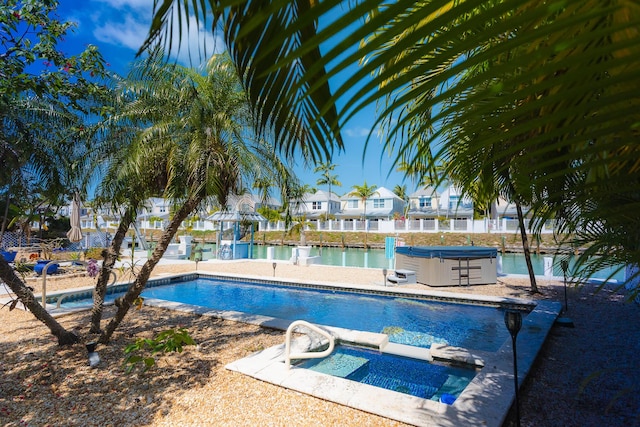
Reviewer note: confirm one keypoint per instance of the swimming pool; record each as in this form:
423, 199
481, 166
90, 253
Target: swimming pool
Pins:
484, 401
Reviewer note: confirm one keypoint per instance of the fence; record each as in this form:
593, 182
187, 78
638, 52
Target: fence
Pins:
91, 239
429, 225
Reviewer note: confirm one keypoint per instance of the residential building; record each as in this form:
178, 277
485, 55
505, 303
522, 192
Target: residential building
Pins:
383, 204
424, 203
316, 205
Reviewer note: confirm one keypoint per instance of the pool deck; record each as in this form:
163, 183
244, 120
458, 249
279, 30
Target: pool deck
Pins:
485, 401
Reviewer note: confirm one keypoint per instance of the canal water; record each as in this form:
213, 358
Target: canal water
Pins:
512, 263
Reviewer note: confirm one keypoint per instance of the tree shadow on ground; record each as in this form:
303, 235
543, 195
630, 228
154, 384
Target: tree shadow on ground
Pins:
44, 384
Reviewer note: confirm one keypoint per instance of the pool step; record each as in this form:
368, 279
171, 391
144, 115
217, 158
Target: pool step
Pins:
402, 386
341, 365
454, 385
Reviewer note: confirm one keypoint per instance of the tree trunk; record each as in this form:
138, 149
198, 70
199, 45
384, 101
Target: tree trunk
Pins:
527, 251
110, 256
24, 294
137, 287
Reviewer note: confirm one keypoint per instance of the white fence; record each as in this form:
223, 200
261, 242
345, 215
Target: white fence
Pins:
414, 225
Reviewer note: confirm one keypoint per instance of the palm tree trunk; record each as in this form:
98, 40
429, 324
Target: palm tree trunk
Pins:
329, 202
110, 255
24, 294
364, 208
527, 251
137, 287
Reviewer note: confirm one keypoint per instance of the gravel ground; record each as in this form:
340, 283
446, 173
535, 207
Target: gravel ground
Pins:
584, 376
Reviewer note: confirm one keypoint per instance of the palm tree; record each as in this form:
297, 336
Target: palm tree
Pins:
364, 192
435, 60
38, 157
206, 140
401, 191
328, 179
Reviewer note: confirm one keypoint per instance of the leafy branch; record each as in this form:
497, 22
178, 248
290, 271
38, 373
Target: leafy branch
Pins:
144, 349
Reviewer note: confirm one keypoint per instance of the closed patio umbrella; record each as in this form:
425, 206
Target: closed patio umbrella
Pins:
75, 234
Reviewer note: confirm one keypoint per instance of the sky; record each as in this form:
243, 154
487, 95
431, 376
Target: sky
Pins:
119, 27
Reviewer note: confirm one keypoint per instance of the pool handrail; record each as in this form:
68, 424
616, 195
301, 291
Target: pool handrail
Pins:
61, 296
288, 356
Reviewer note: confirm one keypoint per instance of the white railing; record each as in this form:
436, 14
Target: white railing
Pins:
288, 356
422, 225
63, 295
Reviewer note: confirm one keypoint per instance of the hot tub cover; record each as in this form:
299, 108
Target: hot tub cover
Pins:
455, 252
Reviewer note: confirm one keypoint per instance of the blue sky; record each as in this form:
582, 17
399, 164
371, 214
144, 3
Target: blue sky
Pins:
119, 27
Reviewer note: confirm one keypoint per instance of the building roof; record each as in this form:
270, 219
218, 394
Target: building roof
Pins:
424, 192
380, 193
320, 196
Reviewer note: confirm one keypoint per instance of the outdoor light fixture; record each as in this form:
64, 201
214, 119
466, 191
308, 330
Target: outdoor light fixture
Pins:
513, 321
564, 264
94, 359
274, 269
565, 321
384, 273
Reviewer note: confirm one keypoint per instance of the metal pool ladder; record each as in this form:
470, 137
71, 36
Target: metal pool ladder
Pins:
307, 354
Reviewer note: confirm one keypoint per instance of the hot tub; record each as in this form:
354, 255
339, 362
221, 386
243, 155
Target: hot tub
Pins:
449, 265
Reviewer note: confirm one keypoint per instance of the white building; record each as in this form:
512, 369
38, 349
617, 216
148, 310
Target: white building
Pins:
383, 204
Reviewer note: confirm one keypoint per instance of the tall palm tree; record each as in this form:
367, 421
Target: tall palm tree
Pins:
327, 178
433, 60
208, 145
364, 192
38, 154
401, 191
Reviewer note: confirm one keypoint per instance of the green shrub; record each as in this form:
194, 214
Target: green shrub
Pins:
144, 349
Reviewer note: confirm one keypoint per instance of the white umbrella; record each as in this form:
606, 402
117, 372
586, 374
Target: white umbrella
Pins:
75, 234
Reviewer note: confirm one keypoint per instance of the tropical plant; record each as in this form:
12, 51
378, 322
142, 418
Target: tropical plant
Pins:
198, 127
547, 81
143, 350
42, 112
401, 191
328, 179
364, 193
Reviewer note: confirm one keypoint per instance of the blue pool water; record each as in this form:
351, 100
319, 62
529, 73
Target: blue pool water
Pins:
405, 375
407, 321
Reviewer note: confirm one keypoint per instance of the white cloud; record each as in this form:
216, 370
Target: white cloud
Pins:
132, 4
357, 132
126, 23
127, 32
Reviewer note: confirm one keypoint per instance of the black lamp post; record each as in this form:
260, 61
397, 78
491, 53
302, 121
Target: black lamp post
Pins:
513, 321
564, 264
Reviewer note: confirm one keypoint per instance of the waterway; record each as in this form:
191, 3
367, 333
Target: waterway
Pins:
512, 263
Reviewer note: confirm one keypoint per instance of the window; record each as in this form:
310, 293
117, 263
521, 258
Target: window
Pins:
316, 206
378, 203
424, 202
453, 201
352, 204
162, 209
